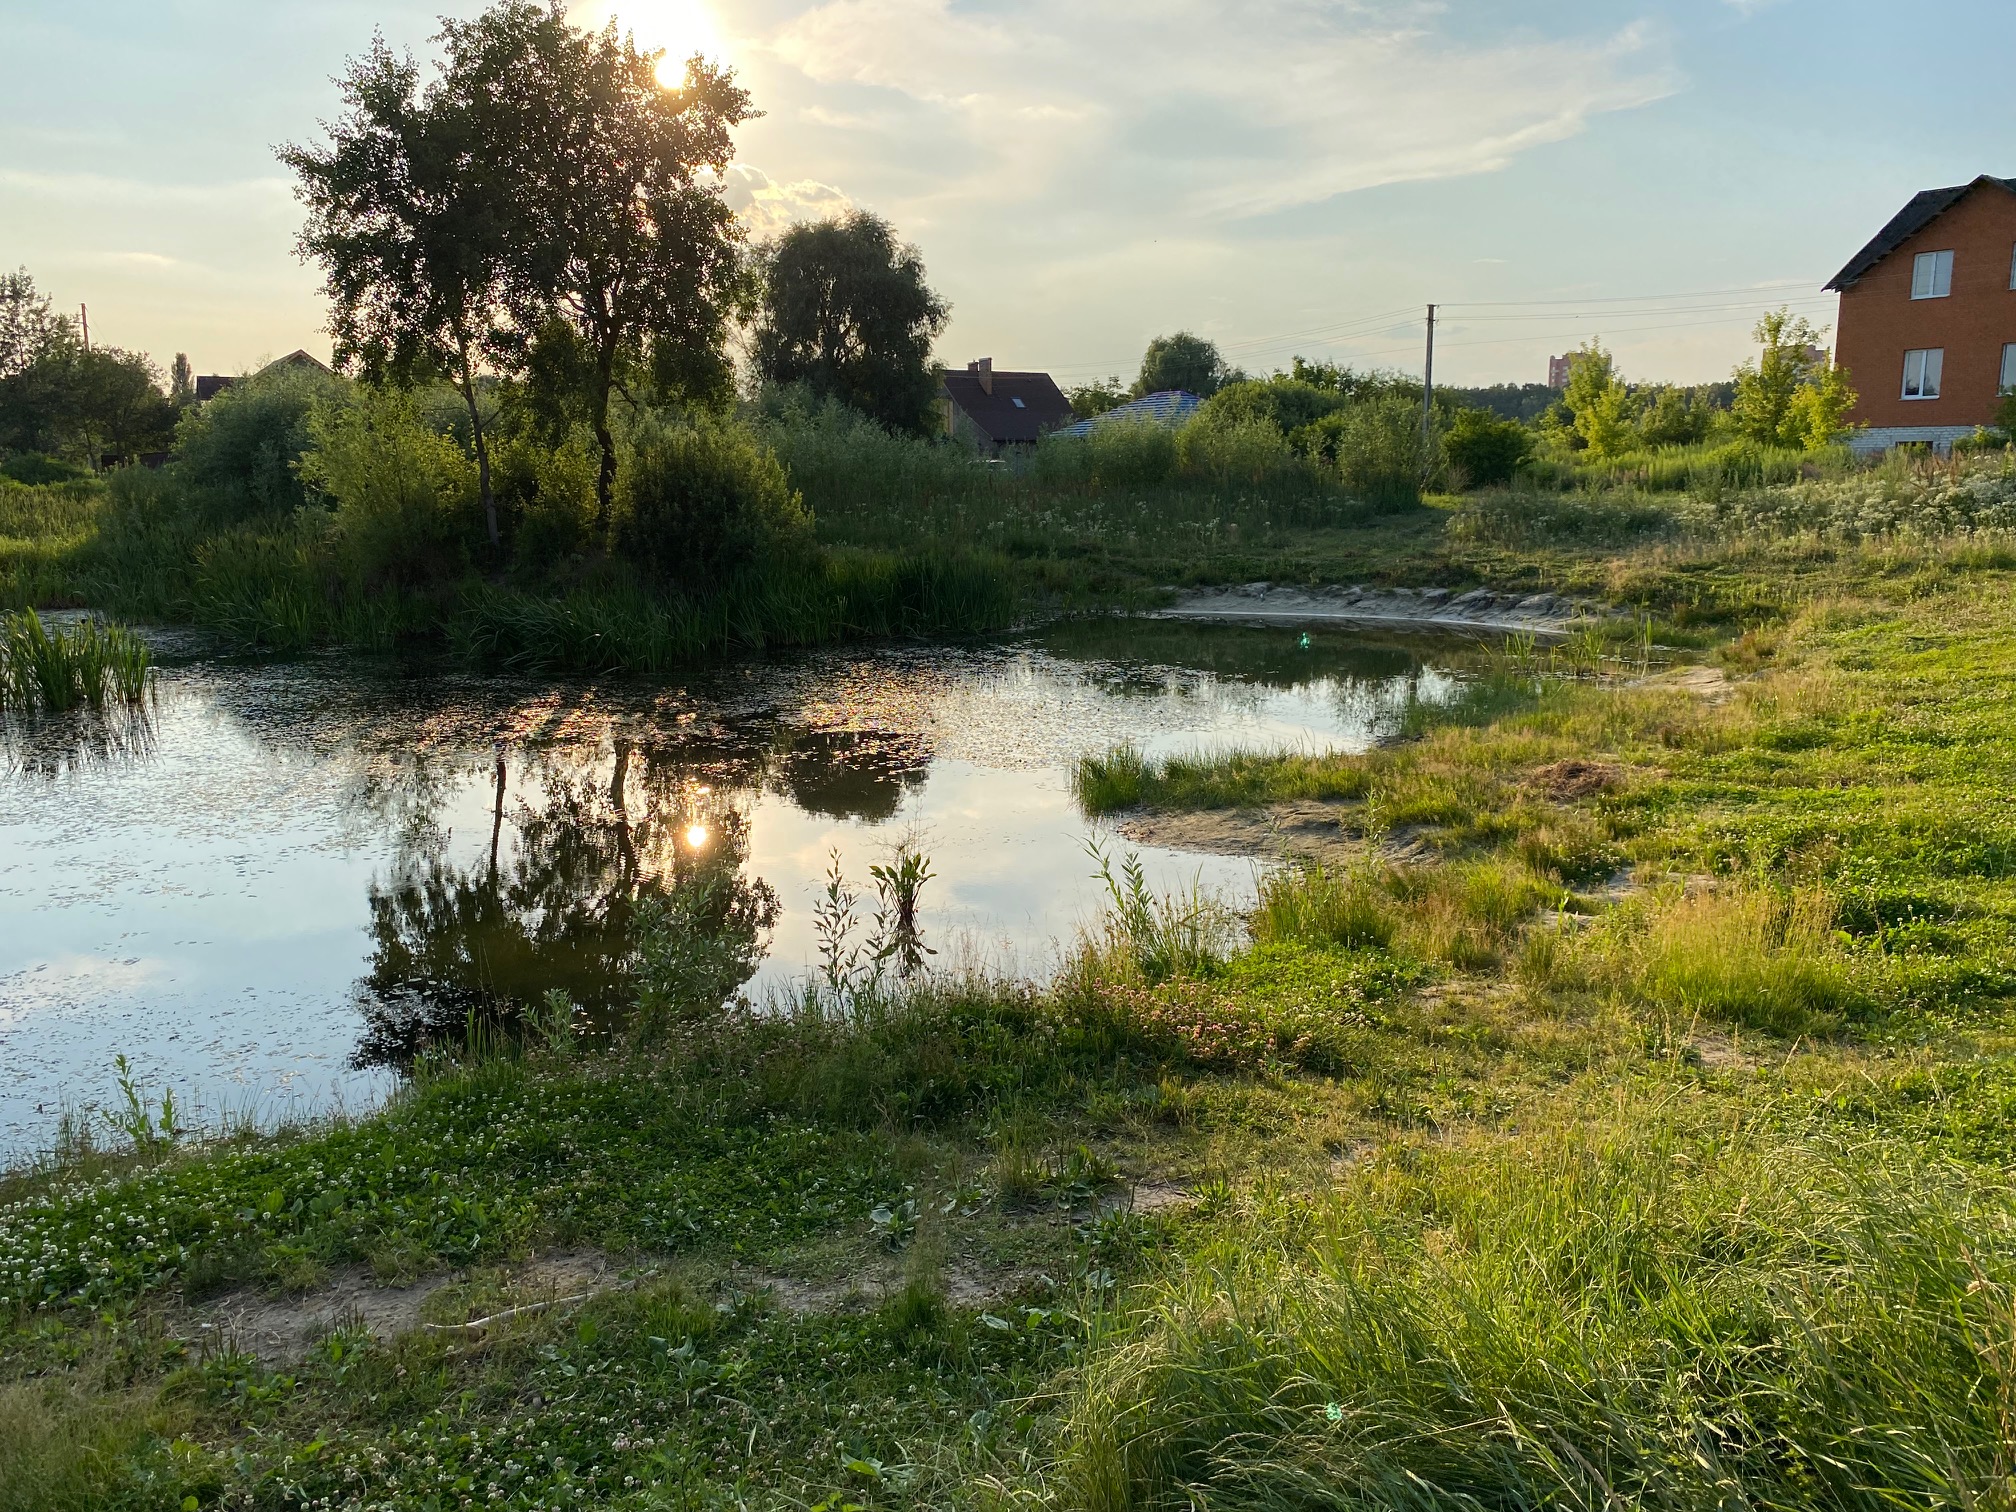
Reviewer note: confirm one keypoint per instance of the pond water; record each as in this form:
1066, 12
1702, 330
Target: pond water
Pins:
293, 874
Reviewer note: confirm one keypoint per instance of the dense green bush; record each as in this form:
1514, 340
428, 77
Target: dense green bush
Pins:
1120, 454
1288, 404
703, 501
546, 494
1483, 450
36, 469
1230, 451
238, 452
1378, 449
404, 495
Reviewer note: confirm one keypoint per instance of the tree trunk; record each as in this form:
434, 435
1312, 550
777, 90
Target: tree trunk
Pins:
605, 475
482, 449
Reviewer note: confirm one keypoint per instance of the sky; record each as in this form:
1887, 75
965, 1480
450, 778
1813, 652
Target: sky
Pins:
1286, 177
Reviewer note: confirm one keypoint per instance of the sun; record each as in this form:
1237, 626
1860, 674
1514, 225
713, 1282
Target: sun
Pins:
680, 27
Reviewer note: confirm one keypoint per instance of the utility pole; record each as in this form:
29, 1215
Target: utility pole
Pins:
84, 316
1428, 397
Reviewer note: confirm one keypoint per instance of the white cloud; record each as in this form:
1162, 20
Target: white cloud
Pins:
1217, 111
99, 189
768, 208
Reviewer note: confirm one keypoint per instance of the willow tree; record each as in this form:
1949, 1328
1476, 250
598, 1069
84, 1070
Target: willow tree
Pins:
410, 220
847, 313
620, 237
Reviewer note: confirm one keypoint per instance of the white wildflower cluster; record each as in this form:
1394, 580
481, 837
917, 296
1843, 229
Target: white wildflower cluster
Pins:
1959, 499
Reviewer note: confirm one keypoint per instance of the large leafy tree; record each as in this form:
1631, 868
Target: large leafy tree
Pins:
28, 327
846, 311
410, 213
1183, 361
619, 231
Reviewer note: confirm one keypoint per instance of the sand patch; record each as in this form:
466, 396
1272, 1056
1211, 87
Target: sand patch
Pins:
281, 1330
1304, 828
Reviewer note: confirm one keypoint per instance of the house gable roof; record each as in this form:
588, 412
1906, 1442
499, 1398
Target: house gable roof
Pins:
1924, 207
1043, 406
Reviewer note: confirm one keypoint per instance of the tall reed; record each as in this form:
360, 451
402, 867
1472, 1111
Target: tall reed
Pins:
89, 662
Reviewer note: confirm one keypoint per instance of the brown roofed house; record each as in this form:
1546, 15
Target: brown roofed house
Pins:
993, 410
1928, 317
210, 385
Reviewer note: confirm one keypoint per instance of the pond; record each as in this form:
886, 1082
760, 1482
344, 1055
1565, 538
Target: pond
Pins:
292, 875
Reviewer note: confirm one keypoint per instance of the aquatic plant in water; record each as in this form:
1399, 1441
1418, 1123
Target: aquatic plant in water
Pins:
91, 662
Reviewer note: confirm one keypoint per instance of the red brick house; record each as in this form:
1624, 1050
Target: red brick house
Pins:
1928, 317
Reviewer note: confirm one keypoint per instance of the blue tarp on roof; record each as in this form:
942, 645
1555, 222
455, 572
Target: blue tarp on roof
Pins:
1169, 407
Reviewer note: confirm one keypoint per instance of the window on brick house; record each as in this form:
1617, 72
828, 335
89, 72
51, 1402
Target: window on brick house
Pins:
1922, 371
2012, 268
1932, 275
2008, 384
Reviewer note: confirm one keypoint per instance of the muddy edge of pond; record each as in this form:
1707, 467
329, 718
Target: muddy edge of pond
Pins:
1545, 615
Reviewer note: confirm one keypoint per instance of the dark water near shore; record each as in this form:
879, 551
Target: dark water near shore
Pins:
273, 891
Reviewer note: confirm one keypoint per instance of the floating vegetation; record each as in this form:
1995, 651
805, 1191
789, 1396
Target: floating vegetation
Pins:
89, 663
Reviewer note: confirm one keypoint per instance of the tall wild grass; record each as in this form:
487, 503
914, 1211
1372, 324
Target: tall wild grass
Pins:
1634, 1314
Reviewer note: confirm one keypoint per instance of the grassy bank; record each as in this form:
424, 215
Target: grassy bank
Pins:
1621, 1114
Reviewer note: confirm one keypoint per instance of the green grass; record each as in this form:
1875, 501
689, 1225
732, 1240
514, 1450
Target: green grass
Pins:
1636, 1312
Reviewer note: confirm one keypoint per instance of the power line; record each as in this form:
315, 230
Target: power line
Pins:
1550, 312
1479, 304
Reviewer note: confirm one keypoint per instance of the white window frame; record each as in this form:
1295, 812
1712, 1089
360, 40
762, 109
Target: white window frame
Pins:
1924, 369
2008, 383
1932, 275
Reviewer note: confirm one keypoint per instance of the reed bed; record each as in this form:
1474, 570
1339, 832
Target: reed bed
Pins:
90, 662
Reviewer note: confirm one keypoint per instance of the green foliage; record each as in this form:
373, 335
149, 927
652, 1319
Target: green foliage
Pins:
238, 454
847, 313
1187, 363
704, 501
404, 497
1378, 450
1785, 397
93, 405
1288, 404
1485, 451
1089, 400
1599, 403
37, 468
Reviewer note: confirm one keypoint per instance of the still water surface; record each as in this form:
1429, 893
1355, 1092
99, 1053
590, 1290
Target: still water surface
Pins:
299, 871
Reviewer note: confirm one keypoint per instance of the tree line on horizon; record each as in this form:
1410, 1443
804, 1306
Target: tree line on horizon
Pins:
538, 222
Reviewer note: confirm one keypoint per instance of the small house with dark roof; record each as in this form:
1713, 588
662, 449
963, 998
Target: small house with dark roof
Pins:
994, 410
210, 385
1927, 330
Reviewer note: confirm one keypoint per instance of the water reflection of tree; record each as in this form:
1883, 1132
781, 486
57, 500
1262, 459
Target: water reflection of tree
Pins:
554, 902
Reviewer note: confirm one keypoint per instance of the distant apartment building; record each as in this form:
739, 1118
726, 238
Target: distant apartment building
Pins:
1927, 329
1559, 368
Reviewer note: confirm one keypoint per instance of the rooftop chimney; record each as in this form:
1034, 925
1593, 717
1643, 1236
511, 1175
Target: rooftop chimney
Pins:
985, 368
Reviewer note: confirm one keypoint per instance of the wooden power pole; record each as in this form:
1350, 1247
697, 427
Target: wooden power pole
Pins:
84, 318
1428, 398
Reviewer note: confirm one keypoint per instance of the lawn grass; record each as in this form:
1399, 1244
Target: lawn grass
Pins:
1629, 1123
